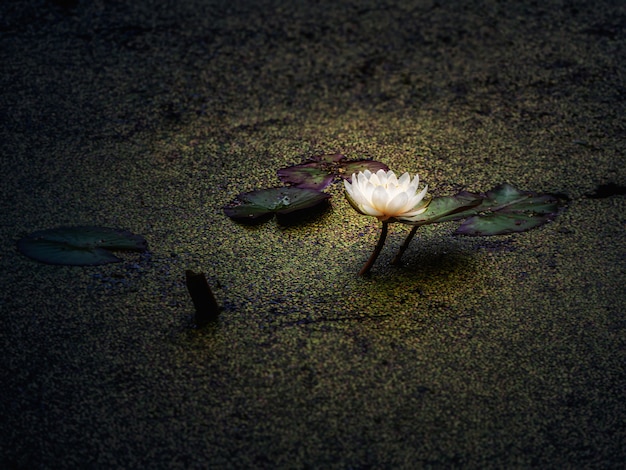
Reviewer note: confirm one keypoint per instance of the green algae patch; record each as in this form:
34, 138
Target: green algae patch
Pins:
476, 352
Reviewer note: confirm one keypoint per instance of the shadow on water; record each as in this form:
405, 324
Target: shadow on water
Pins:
430, 261
432, 271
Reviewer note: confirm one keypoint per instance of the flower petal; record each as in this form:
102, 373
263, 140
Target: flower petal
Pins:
379, 198
404, 180
396, 206
414, 184
422, 193
375, 179
348, 187
370, 210
383, 195
392, 180
413, 215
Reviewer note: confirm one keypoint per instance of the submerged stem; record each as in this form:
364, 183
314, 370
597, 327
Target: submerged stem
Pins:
379, 246
405, 245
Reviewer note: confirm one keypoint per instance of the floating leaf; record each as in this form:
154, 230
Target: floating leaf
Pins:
307, 176
319, 171
79, 246
443, 209
258, 205
506, 209
502, 210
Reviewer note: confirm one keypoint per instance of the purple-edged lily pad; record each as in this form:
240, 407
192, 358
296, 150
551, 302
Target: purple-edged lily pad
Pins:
255, 206
79, 246
319, 171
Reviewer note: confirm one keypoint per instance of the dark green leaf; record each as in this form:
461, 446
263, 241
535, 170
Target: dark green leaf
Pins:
506, 209
262, 203
443, 209
500, 224
79, 246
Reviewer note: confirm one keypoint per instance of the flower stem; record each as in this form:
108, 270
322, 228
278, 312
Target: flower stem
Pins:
379, 246
405, 245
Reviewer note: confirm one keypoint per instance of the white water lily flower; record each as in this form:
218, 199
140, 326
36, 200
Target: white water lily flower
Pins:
385, 196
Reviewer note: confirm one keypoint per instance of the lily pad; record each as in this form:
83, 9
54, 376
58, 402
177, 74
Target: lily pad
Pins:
506, 209
502, 210
443, 209
255, 206
79, 246
320, 171
307, 175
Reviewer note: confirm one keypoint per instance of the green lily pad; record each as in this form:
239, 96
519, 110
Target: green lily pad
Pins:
443, 209
502, 210
79, 246
255, 206
506, 209
319, 171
